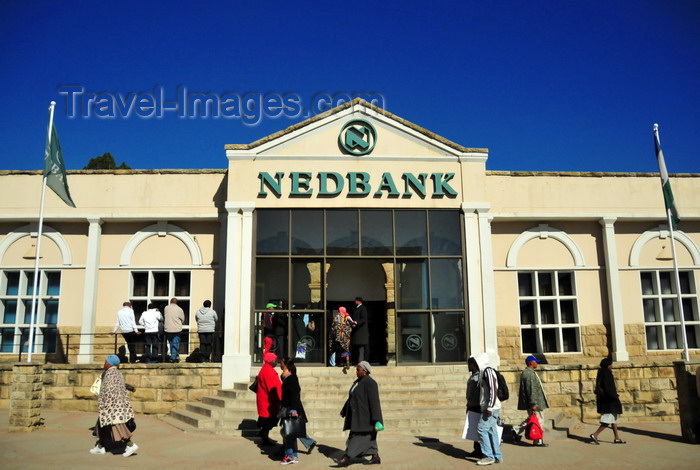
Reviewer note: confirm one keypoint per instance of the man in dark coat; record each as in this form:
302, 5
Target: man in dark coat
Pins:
360, 333
607, 401
531, 396
363, 417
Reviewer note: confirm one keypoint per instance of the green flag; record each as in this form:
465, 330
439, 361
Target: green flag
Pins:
54, 170
665, 182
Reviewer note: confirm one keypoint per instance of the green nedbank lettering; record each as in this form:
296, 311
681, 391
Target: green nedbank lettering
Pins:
332, 184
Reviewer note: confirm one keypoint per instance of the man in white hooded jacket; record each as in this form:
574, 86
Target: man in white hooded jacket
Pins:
490, 407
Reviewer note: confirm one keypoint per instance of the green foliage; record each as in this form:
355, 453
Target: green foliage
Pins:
105, 162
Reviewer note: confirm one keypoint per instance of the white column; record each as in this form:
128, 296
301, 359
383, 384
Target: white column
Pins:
612, 275
236, 361
474, 310
92, 268
488, 287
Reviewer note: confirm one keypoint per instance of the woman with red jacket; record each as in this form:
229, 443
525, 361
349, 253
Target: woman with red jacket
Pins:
268, 397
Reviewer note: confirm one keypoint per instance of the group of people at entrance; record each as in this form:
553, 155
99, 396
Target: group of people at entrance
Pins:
485, 393
166, 327
349, 338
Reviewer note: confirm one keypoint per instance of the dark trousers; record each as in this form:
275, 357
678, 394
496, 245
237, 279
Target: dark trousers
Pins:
360, 352
151, 347
130, 339
206, 341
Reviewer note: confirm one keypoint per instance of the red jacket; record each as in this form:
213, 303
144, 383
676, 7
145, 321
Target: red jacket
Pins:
269, 392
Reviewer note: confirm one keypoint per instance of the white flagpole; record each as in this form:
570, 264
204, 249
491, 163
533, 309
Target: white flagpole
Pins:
686, 355
38, 245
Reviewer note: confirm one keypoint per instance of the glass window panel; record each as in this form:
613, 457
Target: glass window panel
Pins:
689, 312
411, 234
549, 340
307, 336
24, 339
450, 337
525, 284
342, 233
568, 313
139, 307
653, 337
161, 284
665, 281
185, 306
12, 283
307, 232
50, 337
272, 236
272, 282
647, 284
53, 283
669, 311
51, 314
545, 283
307, 284
413, 284
691, 334
10, 315
446, 282
377, 232
569, 338
30, 283
445, 233
414, 337
547, 314
529, 339
140, 281
182, 285
566, 283
684, 278
649, 310
7, 340
672, 340
527, 312
28, 311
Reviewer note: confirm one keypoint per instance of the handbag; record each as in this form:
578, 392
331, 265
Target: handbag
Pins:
293, 427
95, 387
598, 389
131, 425
533, 429
254, 386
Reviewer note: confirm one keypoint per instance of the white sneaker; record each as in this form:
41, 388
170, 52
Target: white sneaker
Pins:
130, 450
485, 461
97, 450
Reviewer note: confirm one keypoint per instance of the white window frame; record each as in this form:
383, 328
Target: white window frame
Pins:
558, 326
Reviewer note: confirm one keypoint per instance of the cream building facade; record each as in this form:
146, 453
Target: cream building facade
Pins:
450, 258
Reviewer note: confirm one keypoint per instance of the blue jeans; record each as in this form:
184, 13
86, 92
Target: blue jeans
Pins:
151, 347
174, 340
290, 446
307, 441
488, 436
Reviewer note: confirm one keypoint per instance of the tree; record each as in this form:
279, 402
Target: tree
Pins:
105, 162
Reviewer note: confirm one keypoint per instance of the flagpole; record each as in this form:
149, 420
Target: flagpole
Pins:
668, 199
38, 244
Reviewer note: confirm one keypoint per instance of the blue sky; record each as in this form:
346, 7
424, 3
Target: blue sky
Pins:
545, 85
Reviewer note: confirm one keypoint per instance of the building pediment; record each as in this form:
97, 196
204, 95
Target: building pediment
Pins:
355, 130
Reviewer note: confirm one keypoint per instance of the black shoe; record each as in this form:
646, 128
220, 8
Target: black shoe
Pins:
344, 461
311, 447
375, 460
541, 444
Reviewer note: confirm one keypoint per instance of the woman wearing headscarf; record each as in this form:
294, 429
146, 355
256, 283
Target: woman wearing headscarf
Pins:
341, 329
363, 417
294, 409
114, 410
268, 397
607, 401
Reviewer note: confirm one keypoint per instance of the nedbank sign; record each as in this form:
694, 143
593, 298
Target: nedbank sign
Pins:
359, 184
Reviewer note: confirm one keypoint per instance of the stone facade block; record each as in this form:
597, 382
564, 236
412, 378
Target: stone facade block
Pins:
189, 381
59, 393
174, 395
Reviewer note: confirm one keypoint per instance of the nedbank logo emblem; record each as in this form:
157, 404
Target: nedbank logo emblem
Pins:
357, 137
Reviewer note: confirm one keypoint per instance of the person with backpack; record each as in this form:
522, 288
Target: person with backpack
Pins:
531, 396
490, 407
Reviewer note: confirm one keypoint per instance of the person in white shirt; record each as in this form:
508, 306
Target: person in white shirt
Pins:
126, 322
150, 319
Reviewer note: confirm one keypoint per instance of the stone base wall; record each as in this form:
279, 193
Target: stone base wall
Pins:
648, 391
159, 388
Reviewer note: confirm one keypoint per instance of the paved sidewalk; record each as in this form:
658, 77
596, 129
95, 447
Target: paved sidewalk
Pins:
64, 442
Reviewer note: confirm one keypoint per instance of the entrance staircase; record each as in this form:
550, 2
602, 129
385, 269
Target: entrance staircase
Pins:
416, 401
